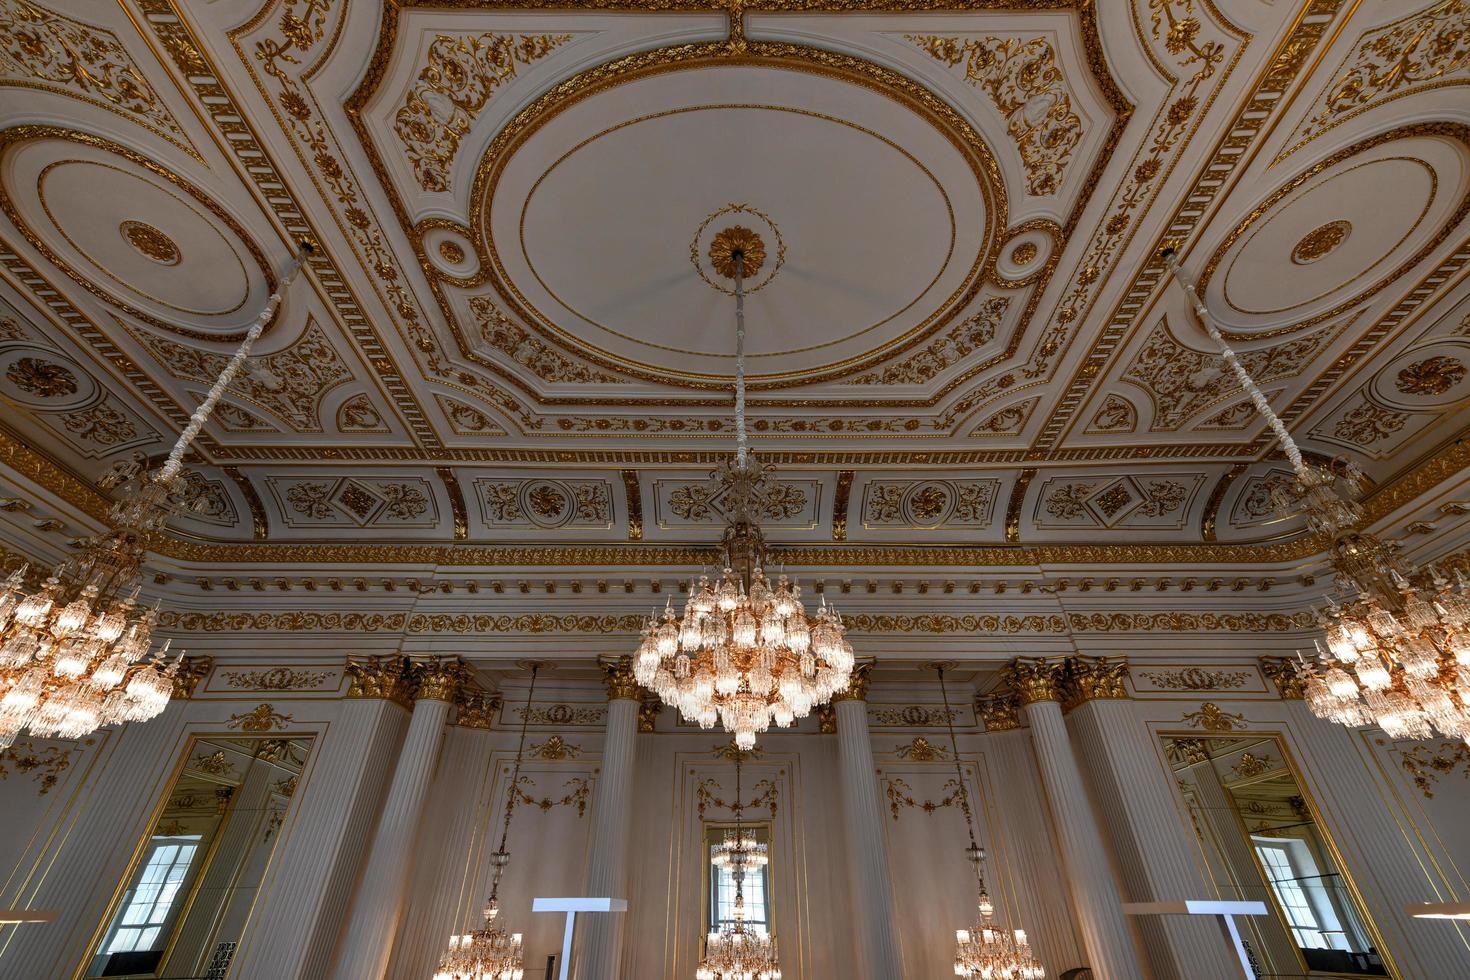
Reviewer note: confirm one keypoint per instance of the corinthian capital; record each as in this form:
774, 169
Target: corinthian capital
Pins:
618, 676
1093, 679
1035, 680
440, 678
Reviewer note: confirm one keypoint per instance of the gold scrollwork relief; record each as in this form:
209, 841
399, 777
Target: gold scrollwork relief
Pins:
1212, 718
263, 718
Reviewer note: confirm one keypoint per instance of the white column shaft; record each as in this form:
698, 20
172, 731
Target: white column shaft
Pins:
1105, 929
378, 903
600, 957
1156, 850
309, 885
872, 888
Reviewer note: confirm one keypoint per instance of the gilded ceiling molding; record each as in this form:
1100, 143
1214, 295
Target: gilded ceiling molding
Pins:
633, 495
1282, 672
1457, 132
170, 26
1425, 50
456, 501
999, 714
460, 75
740, 50
45, 50
259, 522
1022, 76
1254, 116
840, 504
16, 136
1016, 503
1211, 514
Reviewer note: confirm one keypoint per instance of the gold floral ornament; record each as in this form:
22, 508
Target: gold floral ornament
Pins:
1431, 376
41, 378
734, 240
263, 718
451, 252
1212, 719
150, 242
1320, 242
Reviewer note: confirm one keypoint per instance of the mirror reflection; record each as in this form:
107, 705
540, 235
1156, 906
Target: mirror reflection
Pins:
1261, 841
192, 886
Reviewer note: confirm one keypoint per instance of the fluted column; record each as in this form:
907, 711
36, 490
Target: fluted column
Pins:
1105, 929
378, 903
1157, 855
601, 952
872, 889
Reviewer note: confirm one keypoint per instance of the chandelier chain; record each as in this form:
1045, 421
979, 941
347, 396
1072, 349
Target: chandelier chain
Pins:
740, 436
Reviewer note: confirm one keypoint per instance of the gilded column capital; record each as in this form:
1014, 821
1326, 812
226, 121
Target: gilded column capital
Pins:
648, 708
999, 714
1093, 679
1283, 673
440, 678
1035, 680
826, 719
192, 670
385, 678
477, 709
617, 674
857, 684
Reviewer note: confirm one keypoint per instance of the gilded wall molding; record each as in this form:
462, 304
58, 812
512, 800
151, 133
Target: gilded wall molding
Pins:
275, 679
1283, 674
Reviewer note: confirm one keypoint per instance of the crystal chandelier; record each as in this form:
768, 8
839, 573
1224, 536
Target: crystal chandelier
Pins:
731, 952
1397, 650
744, 653
74, 655
489, 952
985, 949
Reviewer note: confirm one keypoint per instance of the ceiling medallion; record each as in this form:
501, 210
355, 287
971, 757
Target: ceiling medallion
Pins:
1024, 253
451, 252
1320, 242
733, 241
151, 242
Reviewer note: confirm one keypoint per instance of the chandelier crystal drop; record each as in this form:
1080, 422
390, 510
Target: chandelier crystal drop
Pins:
986, 949
744, 653
1396, 651
489, 952
734, 952
75, 653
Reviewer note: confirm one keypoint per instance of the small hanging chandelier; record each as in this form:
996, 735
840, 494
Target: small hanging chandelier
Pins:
74, 655
744, 654
731, 952
489, 952
985, 949
1397, 650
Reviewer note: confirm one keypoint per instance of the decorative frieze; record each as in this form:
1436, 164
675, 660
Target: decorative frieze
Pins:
275, 679
1196, 679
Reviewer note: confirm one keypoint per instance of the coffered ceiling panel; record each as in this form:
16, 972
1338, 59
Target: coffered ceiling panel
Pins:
512, 331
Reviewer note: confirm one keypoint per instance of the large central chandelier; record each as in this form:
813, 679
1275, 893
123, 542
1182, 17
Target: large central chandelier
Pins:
734, 952
985, 949
744, 653
489, 952
1397, 648
74, 654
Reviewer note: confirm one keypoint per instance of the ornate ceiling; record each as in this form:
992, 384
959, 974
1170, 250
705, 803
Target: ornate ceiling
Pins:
511, 349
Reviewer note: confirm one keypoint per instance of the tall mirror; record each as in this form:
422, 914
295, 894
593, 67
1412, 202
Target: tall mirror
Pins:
191, 888
1261, 840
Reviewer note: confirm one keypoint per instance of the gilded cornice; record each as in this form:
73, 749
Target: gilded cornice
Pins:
617, 675
1035, 680
1092, 679
439, 678
999, 714
386, 678
477, 709
1282, 672
857, 684
192, 670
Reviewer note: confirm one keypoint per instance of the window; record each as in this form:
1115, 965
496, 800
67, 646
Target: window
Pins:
722, 886
146, 911
1299, 888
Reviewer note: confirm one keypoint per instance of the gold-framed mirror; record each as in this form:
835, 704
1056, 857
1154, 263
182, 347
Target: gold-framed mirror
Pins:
1262, 840
189, 892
